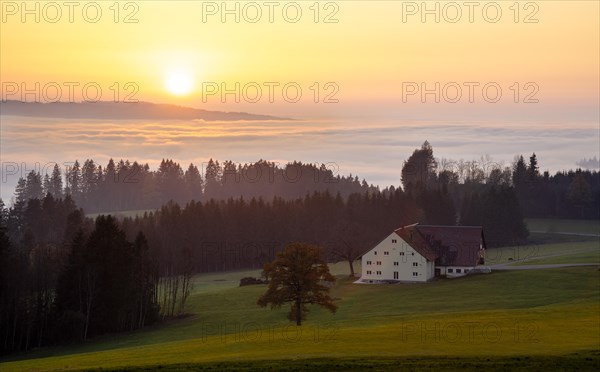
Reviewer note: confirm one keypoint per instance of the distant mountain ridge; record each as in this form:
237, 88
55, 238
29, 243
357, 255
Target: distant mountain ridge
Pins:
122, 111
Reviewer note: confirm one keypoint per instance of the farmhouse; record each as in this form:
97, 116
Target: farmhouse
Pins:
417, 253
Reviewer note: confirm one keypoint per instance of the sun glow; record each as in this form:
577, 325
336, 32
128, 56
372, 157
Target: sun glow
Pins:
179, 82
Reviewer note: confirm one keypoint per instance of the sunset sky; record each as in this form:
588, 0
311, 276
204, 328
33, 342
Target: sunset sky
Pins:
368, 53
372, 51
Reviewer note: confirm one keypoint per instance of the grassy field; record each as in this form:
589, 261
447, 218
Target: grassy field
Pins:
547, 247
556, 225
578, 361
591, 255
587, 251
501, 315
518, 320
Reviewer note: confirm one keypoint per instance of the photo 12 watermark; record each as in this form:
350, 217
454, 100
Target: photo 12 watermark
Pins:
270, 92
469, 332
469, 92
469, 11
270, 11
69, 11
234, 332
69, 91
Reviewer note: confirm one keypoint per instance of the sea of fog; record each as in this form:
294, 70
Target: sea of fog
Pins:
372, 149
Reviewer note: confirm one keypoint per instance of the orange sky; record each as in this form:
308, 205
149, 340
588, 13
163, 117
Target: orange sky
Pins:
367, 54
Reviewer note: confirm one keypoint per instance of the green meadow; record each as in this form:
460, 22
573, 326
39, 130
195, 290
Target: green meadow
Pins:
558, 225
518, 320
587, 251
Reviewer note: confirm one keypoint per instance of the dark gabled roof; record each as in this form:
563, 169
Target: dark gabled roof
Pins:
413, 237
447, 245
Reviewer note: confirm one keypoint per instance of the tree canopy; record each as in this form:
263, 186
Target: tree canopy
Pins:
298, 276
419, 171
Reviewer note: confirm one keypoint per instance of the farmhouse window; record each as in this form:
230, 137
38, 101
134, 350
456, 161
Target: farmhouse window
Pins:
450, 270
368, 272
368, 262
379, 273
386, 253
401, 253
415, 264
415, 274
458, 271
394, 241
395, 263
395, 275
379, 263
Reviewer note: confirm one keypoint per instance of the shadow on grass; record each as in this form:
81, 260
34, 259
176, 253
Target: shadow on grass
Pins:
583, 361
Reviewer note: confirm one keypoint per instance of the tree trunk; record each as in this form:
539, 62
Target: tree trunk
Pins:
165, 288
88, 308
141, 314
351, 262
175, 289
298, 313
87, 318
14, 330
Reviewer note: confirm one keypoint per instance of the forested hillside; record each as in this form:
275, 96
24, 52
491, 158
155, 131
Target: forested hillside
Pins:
65, 277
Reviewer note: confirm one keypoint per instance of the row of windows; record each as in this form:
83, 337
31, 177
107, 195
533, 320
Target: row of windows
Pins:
387, 253
369, 272
458, 271
396, 263
396, 274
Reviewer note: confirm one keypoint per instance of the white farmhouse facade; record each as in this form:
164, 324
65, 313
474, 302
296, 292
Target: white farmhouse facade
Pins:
395, 259
418, 253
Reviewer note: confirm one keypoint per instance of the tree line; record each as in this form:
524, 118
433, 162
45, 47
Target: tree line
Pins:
126, 185
66, 278
568, 194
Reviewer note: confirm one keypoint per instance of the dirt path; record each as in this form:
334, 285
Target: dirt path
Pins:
538, 267
566, 233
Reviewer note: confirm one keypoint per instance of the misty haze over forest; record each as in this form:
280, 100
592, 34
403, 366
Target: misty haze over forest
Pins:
372, 149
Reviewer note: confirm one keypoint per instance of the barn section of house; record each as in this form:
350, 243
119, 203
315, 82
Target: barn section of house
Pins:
418, 253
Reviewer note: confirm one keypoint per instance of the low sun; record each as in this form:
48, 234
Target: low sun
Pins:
179, 82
